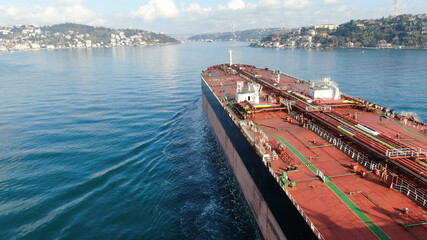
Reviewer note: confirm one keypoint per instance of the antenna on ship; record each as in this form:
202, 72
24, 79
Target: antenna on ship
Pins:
231, 56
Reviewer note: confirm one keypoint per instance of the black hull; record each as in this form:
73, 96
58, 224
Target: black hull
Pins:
281, 214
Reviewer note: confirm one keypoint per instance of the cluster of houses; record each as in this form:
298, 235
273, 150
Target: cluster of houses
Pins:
34, 37
401, 31
299, 39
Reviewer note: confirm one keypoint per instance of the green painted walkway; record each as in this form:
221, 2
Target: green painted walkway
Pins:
350, 204
214, 79
409, 130
226, 93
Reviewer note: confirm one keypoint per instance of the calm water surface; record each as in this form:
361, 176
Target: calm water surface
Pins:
114, 143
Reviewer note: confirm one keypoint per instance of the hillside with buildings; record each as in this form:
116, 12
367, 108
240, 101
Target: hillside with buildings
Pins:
242, 36
69, 35
403, 31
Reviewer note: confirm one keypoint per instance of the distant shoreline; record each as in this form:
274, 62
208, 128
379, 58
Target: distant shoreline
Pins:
75, 36
85, 48
332, 48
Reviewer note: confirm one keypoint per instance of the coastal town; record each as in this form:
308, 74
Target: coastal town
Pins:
69, 36
403, 31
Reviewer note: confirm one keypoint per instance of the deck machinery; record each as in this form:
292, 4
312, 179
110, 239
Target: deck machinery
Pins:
326, 112
365, 161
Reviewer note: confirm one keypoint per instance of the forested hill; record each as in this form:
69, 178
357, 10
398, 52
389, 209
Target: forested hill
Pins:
403, 31
104, 34
70, 35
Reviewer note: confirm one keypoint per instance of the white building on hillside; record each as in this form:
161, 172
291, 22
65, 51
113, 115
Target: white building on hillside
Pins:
328, 26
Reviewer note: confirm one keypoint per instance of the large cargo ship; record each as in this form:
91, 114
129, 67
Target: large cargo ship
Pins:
314, 163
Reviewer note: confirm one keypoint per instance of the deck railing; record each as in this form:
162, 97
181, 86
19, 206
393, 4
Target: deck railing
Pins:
401, 152
410, 191
401, 186
356, 155
313, 108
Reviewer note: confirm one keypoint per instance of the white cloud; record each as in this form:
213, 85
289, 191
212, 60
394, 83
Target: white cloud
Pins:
342, 8
331, 2
232, 5
194, 11
265, 4
223, 17
297, 4
179, 16
157, 9
194, 8
58, 12
236, 4
69, 2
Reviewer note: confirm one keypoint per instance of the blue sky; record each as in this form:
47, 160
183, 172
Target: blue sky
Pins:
197, 16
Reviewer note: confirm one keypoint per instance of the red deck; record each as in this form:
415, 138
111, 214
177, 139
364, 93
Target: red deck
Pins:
338, 208
333, 218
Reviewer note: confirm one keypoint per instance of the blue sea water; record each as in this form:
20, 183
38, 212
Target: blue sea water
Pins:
113, 143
